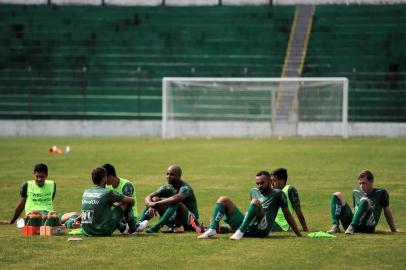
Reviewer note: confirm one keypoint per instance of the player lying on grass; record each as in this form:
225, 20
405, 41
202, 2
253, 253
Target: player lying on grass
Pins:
368, 205
175, 203
279, 177
103, 209
125, 187
35, 195
265, 202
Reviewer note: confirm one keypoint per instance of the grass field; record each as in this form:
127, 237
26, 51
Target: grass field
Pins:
316, 166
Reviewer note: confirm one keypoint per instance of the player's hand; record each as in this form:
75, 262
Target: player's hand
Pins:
151, 204
151, 212
4, 222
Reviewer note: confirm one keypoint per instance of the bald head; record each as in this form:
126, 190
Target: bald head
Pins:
173, 174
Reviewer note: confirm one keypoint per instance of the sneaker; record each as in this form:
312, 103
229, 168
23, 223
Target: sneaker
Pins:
179, 229
195, 224
334, 229
141, 226
125, 229
210, 233
350, 230
237, 235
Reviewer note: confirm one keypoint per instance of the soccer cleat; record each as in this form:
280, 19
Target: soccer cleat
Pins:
152, 230
334, 229
350, 230
210, 233
195, 224
141, 226
124, 229
237, 235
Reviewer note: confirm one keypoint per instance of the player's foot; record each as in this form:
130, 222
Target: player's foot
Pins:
334, 229
124, 229
225, 229
153, 229
195, 224
179, 229
350, 230
237, 235
210, 233
141, 226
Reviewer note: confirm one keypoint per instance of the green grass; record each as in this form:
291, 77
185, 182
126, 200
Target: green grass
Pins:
316, 166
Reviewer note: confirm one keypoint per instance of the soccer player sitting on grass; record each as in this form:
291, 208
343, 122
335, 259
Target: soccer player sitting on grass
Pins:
102, 209
368, 205
279, 177
125, 187
175, 203
35, 195
261, 213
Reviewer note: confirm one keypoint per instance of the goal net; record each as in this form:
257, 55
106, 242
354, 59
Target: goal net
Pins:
254, 107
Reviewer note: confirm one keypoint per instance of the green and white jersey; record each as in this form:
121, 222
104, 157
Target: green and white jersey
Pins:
379, 198
271, 202
186, 190
96, 210
126, 188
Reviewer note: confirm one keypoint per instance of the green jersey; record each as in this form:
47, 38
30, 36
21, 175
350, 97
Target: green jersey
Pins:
98, 210
378, 198
185, 190
271, 202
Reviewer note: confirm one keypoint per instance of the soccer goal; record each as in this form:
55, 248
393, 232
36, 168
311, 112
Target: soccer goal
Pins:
254, 107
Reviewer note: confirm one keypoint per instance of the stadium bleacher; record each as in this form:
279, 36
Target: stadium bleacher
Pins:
70, 62
364, 43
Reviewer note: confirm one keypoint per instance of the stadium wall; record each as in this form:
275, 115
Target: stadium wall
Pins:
197, 2
152, 128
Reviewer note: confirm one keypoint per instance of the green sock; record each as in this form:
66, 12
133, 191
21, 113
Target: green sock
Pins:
252, 212
145, 215
335, 207
171, 211
218, 214
360, 213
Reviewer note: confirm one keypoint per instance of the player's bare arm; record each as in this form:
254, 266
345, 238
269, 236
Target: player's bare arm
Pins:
389, 218
169, 201
301, 218
128, 200
17, 211
291, 221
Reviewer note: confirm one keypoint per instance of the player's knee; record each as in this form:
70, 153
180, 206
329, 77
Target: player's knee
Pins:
340, 196
223, 200
256, 202
365, 201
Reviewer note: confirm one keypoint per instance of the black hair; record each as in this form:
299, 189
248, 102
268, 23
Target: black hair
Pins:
98, 174
110, 169
280, 173
263, 173
41, 167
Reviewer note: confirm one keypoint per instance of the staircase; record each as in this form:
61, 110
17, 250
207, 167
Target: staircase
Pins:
285, 114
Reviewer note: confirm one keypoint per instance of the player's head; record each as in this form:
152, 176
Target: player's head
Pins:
366, 181
173, 174
263, 181
111, 173
99, 176
40, 174
279, 177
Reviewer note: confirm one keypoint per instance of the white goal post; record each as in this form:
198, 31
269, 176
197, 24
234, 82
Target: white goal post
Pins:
254, 107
